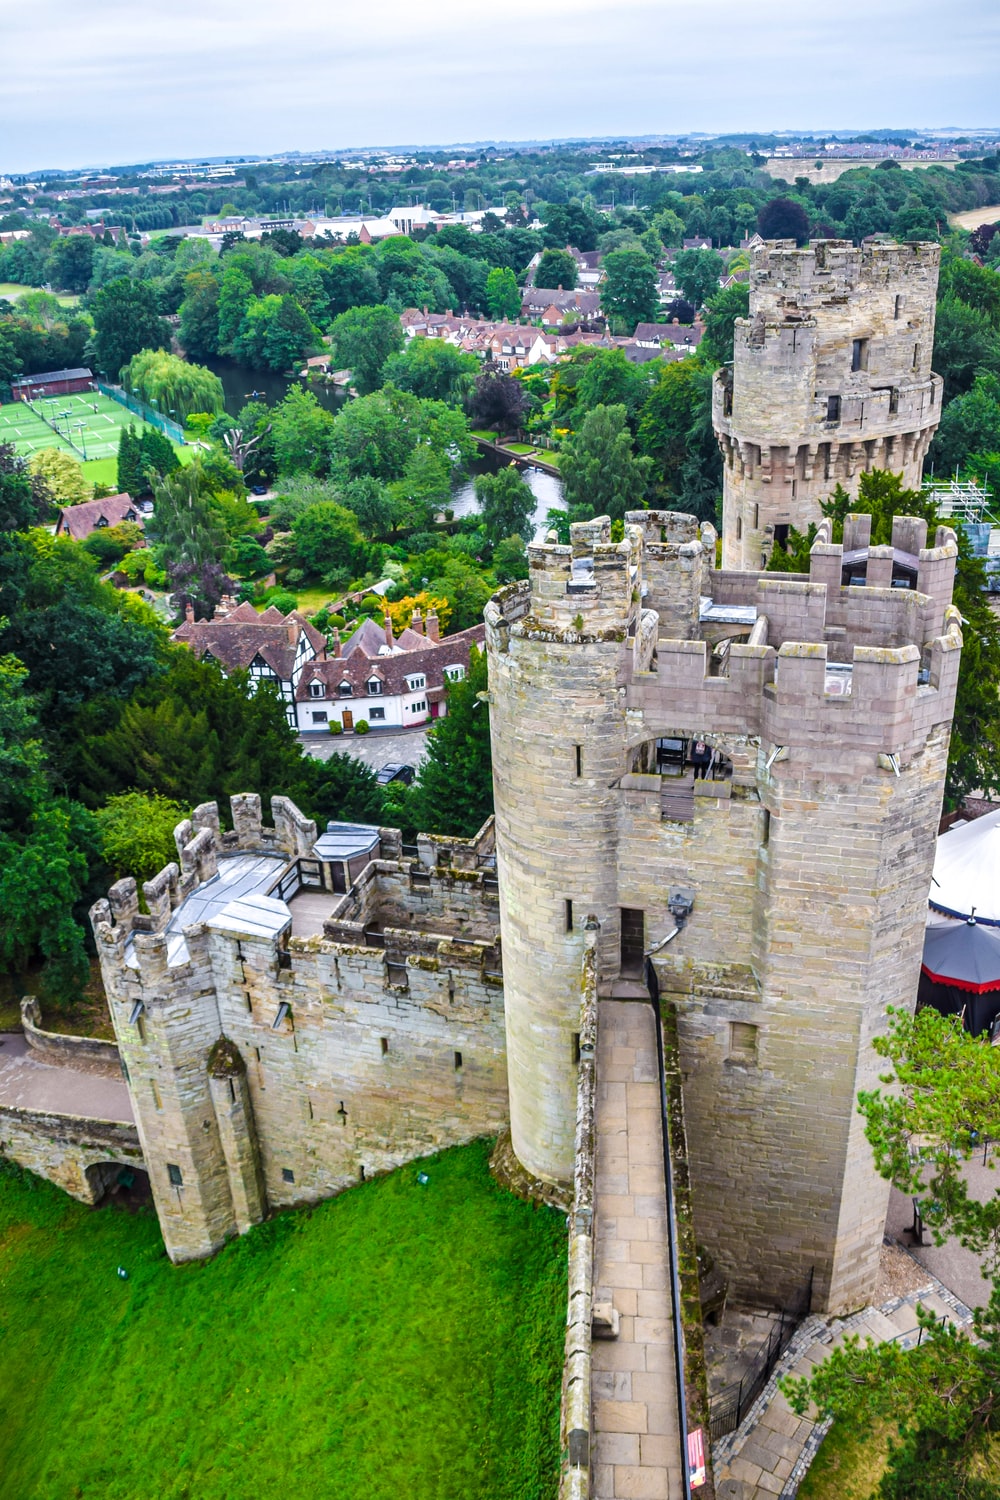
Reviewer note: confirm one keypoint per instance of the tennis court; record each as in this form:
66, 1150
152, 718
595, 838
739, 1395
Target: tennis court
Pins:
87, 425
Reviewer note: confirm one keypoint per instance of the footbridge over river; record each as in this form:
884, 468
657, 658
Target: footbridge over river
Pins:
65, 1112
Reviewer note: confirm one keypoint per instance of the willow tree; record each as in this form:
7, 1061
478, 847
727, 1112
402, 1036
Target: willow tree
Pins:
171, 385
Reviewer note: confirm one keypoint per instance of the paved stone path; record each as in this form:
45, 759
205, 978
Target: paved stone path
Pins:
772, 1450
28, 1083
379, 748
636, 1441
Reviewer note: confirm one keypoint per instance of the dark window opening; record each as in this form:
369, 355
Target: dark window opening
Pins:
632, 941
833, 408
579, 760
739, 528
175, 1175
765, 833
893, 401
859, 355
246, 996
232, 1092
916, 355
576, 1048
385, 1045
756, 517
257, 1050
898, 307
569, 916
342, 1112
287, 1175
781, 536
458, 1062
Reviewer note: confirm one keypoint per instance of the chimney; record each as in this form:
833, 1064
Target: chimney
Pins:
416, 620
433, 632
388, 632
189, 613
336, 641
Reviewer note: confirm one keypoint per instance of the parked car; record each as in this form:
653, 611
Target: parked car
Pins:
396, 772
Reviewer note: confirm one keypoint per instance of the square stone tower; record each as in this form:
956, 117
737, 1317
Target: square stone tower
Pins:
807, 847
831, 376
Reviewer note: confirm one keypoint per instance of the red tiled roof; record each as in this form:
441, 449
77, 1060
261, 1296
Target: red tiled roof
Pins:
357, 664
235, 639
78, 521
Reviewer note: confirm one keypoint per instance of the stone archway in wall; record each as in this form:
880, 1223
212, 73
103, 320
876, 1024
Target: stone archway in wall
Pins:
118, 1182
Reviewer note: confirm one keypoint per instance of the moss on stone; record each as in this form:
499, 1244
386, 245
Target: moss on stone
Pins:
225, 1060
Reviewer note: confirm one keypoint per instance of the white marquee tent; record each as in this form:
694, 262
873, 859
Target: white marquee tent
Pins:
967, 871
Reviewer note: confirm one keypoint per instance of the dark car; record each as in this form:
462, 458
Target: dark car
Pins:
396, 772
258, 489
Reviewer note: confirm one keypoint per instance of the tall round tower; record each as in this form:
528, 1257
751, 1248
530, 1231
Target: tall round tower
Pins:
831, 376
555, 649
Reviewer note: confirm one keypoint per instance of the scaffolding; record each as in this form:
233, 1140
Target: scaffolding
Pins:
961, 500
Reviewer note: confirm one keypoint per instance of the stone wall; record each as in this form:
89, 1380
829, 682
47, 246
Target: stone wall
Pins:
828, 323
809, 864
88, 1052
576, 1427
272, 1070
67, 1150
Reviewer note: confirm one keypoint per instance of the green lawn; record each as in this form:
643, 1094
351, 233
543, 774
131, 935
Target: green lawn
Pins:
400, 1342
10, 291
519, 447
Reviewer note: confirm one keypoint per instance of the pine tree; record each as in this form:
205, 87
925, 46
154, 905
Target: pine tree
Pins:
131, 479
454, 792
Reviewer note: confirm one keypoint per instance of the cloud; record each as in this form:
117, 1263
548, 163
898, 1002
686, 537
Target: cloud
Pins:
118, 82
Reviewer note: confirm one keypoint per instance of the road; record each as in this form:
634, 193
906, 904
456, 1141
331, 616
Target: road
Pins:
28, 1083
377, 749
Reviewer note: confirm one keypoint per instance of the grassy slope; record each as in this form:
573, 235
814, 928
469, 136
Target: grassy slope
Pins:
397, 1341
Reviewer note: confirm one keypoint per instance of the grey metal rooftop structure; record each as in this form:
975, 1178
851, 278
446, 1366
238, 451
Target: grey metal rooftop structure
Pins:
242, 882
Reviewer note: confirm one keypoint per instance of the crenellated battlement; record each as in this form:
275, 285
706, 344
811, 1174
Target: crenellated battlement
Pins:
831, 377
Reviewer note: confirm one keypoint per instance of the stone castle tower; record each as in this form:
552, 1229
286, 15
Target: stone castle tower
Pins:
806, 851
831, 376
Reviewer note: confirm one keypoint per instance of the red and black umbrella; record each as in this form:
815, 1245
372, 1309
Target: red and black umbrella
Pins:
965, 955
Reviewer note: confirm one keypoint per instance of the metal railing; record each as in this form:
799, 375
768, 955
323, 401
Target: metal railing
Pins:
170, 429
730, 1406
301, 874
653, 988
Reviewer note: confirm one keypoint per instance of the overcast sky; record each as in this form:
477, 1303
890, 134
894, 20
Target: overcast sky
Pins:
113, 81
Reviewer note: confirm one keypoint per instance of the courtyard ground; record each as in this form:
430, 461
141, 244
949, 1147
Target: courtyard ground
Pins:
377, 749
404, 1339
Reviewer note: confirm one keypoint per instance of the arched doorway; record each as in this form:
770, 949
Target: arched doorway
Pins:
120, 1183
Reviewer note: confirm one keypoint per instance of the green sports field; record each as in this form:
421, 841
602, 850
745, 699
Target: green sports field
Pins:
67, 422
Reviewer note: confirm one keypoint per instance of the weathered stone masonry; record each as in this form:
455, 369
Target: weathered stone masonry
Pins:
808, 856
831, 376
268, 1067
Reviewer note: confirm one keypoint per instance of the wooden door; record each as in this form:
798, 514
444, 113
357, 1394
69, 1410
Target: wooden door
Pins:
348, 719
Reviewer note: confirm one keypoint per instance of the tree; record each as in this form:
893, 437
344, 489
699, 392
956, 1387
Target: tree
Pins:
363, 339
189, 538
966, 344
510, 559
507, 504
783, 219
300, 433
503, 296
234, 299
610, 379
329, 542
71, 262
175, 387
601, 474
970, 424
670, 227
350, 280
61, 474
433, 370
42, 876
556, 268
454, 790
629, 293
126, 319
679, 308
374, 436
569, 224
675, 431
274, 334
199, 315
943, 1399
697, 273
24, 497
130, 476
721, 311
498, 400
136, 833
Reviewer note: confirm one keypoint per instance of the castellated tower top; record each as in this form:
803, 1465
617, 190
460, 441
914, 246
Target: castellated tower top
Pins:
831, 377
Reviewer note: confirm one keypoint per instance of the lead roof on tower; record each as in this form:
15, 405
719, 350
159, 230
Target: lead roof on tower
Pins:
346, 840
239, 878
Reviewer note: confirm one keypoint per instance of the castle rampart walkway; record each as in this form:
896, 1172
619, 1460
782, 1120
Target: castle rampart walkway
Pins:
26, 1083
637, 1447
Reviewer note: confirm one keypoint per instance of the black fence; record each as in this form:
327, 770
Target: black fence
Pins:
729, 1407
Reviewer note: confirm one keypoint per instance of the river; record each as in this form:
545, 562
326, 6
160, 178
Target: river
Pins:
546, 488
